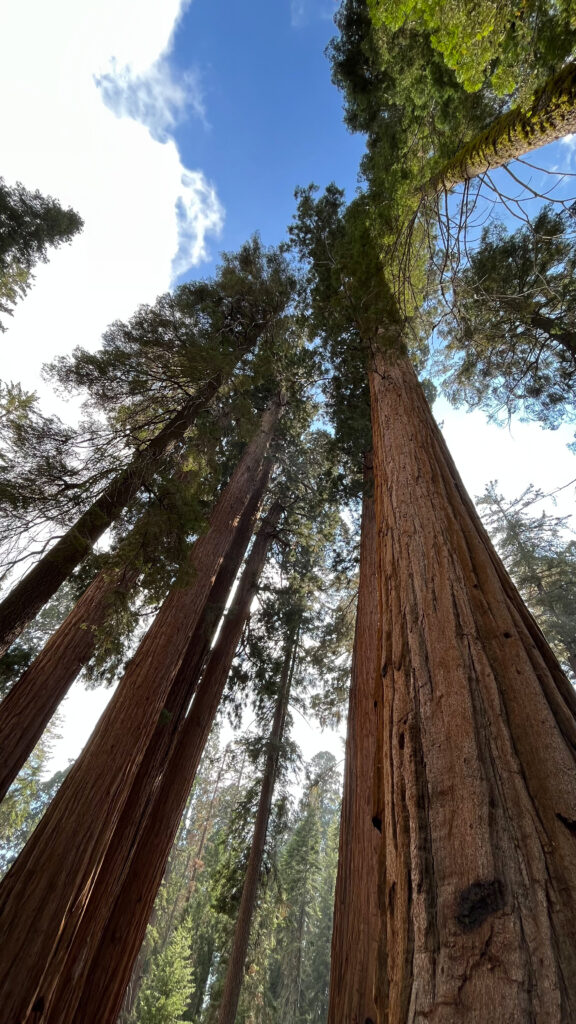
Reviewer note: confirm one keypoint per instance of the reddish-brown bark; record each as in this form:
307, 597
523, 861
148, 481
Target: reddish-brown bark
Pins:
125, 843
109, 972
30, 704
44, 895
477, 747
32, 592
356, 911
235, 967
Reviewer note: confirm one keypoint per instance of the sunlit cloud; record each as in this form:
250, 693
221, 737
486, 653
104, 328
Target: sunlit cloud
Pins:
154, 97
147, 217
199, 214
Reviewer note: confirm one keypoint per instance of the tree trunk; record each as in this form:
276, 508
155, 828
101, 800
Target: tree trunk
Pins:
30, 704
550, 116
477, 749
356, 913
32, 592
44, 895
144, 791
108, 974
235, 969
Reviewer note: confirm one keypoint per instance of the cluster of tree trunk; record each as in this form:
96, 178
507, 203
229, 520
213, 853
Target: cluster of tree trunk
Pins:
456, 893
83, 827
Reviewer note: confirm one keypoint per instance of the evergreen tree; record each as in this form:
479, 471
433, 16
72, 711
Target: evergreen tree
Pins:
300, 959
96, 777
509, 46
541, 561
29, 224
27, 799
168, 988
189, 345
511, 329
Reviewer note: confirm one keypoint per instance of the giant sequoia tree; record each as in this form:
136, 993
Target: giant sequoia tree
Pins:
465, 674
457, 838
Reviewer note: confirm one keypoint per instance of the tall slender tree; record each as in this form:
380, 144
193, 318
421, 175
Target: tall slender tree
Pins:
235, 967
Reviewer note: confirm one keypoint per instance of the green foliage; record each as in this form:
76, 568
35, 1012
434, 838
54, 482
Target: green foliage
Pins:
168, 988
148, 366
27, 799
299, 957
400, 93
511, 327
510, 44
542, 562
29, 224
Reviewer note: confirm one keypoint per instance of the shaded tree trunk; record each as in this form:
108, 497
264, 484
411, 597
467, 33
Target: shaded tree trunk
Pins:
107, 976
235, 968
356, 911
32, 592
139, 805
43, 897
550, 116
477, 748
28, 707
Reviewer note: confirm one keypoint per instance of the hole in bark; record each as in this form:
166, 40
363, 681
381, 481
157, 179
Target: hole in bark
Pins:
375, 703
401, 741
384, 671
377, 822
479, 901
507, 635
392, 899
567, 822
368, 1020
38, 1005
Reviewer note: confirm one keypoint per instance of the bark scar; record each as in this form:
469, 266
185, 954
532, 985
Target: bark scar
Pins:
477, 902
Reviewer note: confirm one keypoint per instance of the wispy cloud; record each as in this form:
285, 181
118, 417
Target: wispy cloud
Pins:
302, 12
153, 97
199, 213
147, 217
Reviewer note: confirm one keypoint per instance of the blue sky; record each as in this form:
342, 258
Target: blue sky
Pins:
273, 116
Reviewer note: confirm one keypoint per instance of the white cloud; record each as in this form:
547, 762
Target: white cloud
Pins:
199, 214
142, 209
302, 12
153, 97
